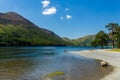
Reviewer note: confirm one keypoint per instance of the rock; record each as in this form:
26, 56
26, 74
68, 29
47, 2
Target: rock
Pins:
104, 63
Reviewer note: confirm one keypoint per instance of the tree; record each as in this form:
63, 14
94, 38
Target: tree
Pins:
101, 39
118, 37
112, 27
94, 43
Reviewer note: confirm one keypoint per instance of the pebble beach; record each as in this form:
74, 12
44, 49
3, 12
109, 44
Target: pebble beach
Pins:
113, 58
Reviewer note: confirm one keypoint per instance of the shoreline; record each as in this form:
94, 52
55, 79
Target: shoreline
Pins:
113, 58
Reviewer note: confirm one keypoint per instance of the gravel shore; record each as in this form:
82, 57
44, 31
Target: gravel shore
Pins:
113, 58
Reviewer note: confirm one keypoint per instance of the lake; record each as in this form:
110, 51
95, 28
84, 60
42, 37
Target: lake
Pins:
39, 63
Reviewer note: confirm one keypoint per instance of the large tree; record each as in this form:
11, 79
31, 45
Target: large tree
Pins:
118, 37
112, 27
101, 39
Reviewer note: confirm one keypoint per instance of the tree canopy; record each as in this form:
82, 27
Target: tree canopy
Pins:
112, 37
101, 39
112, 27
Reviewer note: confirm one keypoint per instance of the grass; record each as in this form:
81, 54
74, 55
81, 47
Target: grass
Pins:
53, 74
114, 50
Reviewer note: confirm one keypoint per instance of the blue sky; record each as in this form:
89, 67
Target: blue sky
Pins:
67, 18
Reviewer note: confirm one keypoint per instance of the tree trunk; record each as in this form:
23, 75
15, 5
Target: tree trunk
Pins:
113, 45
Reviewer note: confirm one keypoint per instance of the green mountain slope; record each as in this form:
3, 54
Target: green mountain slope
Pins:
15, 30
84, 41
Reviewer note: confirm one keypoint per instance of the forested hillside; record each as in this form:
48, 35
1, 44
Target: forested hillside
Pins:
83, 41
15, 30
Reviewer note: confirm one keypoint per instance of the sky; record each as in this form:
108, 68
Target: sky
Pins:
67, 18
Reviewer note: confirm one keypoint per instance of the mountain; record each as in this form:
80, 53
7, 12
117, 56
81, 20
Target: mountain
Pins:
69, 41
84, 41
15, 30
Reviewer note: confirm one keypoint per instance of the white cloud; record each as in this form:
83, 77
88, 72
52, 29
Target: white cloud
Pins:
45, 3
47, 8
68, 16
49, 11
67, 9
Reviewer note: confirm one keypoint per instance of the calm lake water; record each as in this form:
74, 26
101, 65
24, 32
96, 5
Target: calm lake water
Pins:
32, 63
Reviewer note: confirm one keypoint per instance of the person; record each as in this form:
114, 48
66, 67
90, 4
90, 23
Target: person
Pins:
65, 51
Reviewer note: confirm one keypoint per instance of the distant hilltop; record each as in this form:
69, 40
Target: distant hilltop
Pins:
83, 41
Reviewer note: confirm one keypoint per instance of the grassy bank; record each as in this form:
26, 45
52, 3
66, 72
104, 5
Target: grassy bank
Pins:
114, 50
